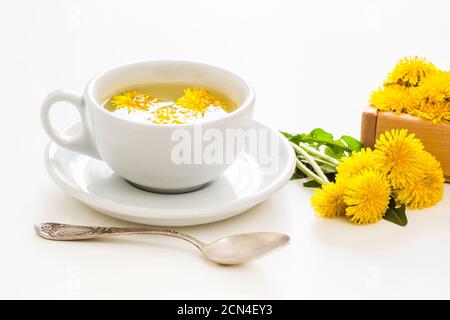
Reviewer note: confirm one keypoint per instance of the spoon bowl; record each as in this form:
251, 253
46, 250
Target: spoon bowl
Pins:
242, 248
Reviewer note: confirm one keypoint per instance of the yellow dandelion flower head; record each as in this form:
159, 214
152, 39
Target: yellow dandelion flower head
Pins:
434, 97
328, 202
367, 197
197, 100
428, 190
393, 98
133, 100
410, 71
357, 162
401, 155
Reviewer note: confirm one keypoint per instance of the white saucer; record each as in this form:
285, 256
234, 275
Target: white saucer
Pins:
243, 185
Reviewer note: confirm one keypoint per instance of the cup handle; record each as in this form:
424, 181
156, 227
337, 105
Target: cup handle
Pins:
81, 142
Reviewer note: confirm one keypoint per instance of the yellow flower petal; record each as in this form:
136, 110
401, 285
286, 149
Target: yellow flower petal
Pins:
428, 190
434, 98
328, 202
394, 98
367, 197
401, 155
410, 71
357, 162
198, 100
133, 100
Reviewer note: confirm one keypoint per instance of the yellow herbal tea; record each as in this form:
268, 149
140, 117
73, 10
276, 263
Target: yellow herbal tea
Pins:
170, 103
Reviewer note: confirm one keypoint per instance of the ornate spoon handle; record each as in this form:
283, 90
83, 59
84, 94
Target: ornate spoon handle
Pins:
67, 232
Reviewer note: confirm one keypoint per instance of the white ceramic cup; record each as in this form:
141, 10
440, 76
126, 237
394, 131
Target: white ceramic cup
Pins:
141, 152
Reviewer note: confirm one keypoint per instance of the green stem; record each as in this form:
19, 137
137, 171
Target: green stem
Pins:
325, 162
319, 154
308, 172
311, 161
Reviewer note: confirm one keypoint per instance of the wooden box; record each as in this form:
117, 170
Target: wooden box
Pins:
435, 137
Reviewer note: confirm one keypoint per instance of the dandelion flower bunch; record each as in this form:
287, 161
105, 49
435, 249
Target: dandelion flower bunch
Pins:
364, 189
417, 87
368, 183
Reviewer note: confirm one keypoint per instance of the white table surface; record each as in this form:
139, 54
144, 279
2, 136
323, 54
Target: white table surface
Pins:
312, 64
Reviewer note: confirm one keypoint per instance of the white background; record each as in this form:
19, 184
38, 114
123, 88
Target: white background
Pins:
312, 64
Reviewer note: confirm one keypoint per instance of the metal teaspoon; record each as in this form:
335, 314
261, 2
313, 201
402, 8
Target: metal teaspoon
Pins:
230, 250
